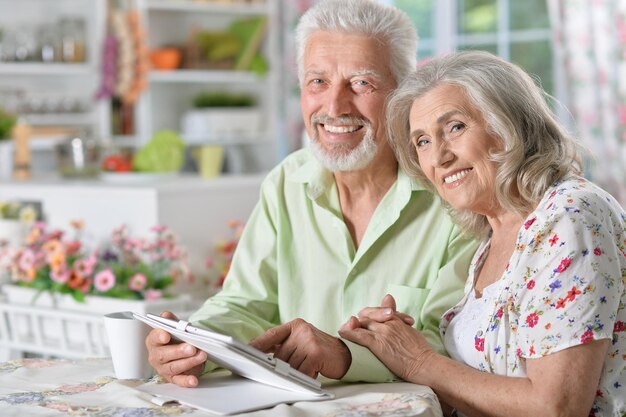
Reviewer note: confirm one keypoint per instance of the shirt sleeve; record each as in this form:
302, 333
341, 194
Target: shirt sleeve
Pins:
247, 304
570, 276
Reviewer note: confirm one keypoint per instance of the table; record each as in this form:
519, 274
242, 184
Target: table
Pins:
87, 387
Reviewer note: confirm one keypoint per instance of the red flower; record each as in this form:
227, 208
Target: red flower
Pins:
529, 223
530, 284
619, 326
553, 240
518, 352
561, 303
597, 251
587, 337
532, 350
564, 264
571, 294
500, 312
479, 344
532, 319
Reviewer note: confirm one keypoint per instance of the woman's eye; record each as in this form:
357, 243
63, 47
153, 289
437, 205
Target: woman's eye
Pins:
421, 142
457, 127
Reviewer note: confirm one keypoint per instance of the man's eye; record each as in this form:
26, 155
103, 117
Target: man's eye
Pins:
362, 83
317, 81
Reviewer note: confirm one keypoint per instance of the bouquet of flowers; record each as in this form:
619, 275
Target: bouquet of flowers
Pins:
129, 268
219, 262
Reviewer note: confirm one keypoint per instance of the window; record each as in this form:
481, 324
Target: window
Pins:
518, 31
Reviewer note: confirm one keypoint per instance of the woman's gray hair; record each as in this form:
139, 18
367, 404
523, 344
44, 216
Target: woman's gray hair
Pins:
389, 25
537, 150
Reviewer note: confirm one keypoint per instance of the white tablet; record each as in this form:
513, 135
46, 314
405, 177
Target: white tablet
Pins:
238, 357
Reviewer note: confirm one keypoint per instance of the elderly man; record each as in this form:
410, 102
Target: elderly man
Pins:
337, 223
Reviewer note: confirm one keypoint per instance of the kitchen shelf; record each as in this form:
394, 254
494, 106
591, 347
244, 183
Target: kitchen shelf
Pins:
63, 119
241, 8
35, 68
226, 140
202, 76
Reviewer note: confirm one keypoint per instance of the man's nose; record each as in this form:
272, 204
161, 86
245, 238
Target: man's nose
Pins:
339, 101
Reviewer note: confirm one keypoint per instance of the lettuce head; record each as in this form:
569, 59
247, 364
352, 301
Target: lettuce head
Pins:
163, 153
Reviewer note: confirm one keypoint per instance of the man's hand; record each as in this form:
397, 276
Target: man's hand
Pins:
179, 363
306, 349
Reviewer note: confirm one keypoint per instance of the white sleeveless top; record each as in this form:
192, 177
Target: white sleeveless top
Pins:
463, 329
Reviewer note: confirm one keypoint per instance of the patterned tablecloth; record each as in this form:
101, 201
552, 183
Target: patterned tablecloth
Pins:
87, 387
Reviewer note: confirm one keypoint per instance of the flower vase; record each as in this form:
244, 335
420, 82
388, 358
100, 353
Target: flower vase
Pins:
65, 326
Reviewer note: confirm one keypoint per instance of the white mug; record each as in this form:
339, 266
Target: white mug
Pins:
127, 344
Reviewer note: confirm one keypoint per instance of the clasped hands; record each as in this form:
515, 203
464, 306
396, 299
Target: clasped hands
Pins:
386, 332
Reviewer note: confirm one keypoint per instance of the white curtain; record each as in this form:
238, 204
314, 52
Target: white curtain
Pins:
590, 47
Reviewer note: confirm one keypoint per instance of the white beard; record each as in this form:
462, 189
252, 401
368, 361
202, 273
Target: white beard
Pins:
343, 158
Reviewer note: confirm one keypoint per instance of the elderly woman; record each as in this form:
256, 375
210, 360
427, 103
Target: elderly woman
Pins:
541, 329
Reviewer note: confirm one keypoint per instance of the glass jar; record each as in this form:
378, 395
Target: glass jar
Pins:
49, 43
73, 39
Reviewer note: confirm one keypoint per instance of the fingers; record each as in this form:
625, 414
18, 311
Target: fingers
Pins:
360, 336
168, 315
383, 314
388, 302
351, 324
271, 338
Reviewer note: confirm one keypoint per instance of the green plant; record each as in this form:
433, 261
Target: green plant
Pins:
14, 210
7, 121
222, 99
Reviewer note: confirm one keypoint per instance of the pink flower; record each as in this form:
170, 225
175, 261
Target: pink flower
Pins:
587, 337
529, 223
137, 282
104, 280
27, 260
597, 251
564, 264
530, 284
479, 344
85, 266
532, 319
151, 295
158, 228
60, 276
619, 326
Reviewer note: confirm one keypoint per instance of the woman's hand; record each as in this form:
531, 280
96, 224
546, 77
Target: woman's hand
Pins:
385, 312
391, 338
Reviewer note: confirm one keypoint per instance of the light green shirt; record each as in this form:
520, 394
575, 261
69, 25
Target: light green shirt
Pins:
296, 259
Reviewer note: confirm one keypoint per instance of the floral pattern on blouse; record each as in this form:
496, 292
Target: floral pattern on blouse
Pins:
564, 285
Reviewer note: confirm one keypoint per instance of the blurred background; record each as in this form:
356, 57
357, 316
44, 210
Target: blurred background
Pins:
118, 71
192, 101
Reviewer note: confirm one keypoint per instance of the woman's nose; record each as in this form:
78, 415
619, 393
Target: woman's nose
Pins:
443, 155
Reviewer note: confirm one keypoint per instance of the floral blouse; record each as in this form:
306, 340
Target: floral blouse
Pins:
564, 285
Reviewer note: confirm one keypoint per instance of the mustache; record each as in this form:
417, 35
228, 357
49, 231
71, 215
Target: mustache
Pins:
340, 120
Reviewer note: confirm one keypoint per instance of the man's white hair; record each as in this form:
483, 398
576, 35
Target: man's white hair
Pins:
389, 25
